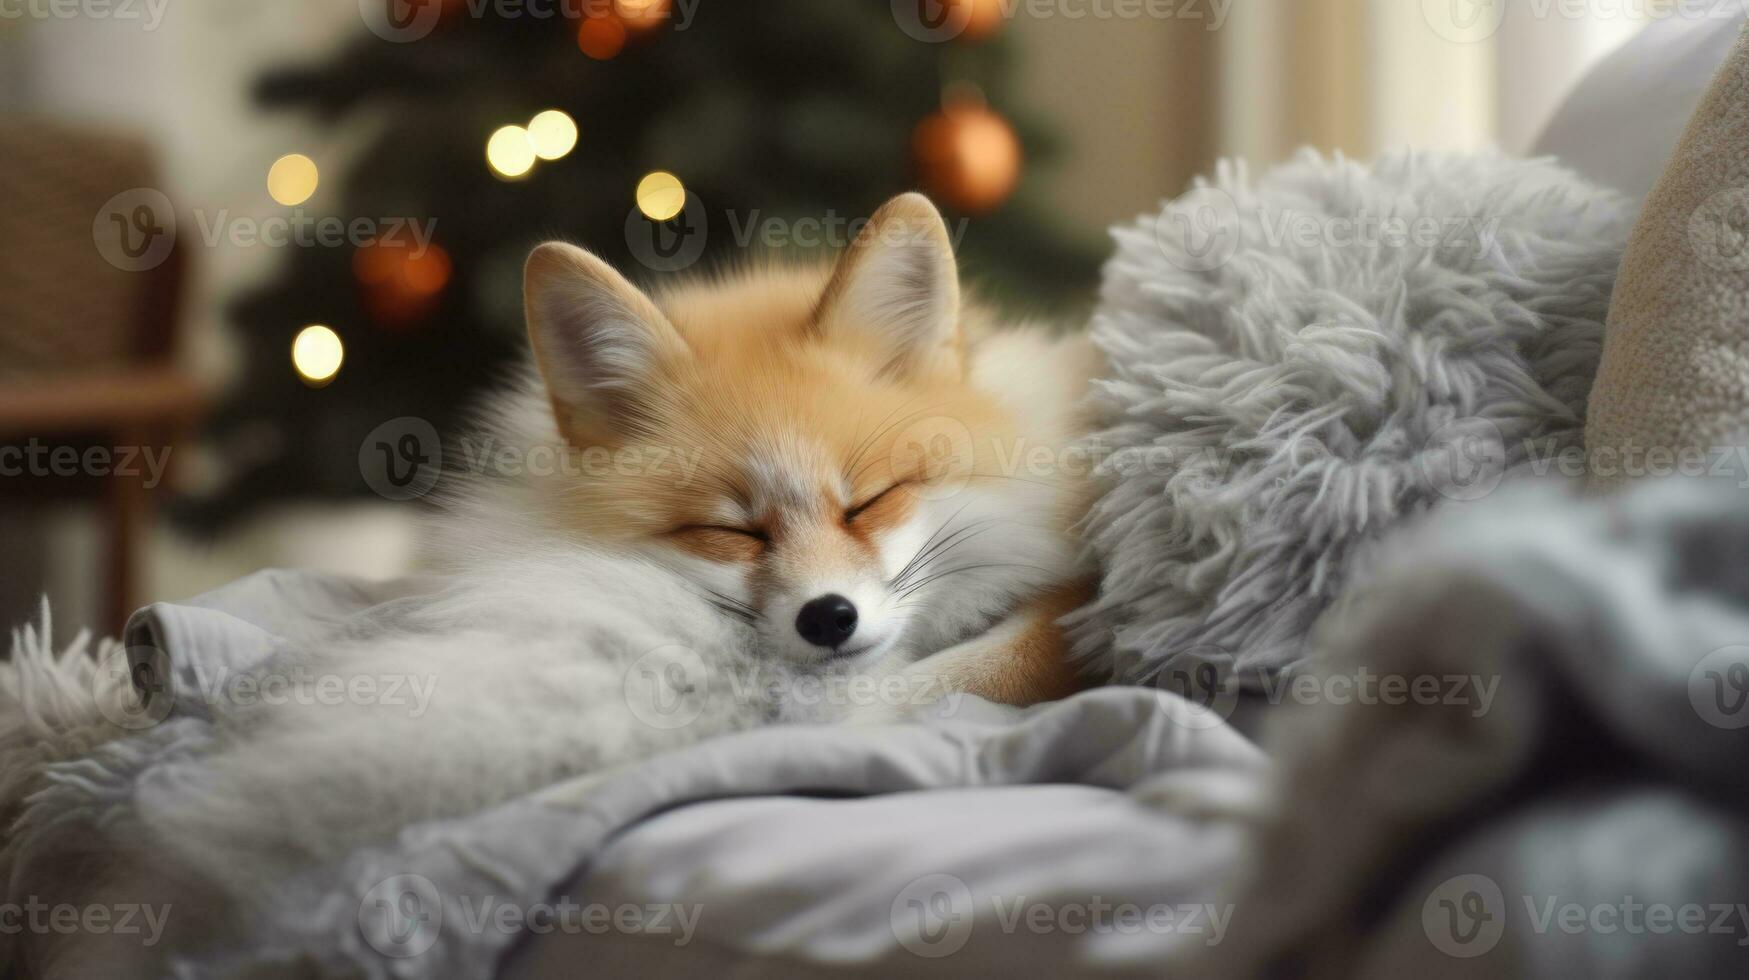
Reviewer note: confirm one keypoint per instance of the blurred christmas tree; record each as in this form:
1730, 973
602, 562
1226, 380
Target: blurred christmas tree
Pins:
497, 128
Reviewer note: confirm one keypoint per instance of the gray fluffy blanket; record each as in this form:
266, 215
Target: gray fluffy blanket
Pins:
1519, 753
1300, 362
1588, 818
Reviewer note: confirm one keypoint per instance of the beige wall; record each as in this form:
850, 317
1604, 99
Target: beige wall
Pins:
1362, 76
1133, 102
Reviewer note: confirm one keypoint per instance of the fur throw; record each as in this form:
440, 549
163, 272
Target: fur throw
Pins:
1300, 362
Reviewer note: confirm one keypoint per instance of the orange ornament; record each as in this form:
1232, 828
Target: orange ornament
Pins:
982, 18
639, 16
968, 157
401, 284
602, 38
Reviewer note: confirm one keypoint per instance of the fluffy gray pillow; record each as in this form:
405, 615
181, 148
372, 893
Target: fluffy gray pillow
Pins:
1301, 362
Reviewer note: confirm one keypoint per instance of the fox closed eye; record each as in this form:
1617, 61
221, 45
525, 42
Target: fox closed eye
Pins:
853, 512
720, 542
746, 532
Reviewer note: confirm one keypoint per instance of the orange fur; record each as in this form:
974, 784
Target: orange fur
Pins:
826, 416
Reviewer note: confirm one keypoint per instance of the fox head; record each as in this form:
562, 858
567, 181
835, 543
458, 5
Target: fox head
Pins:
802, 444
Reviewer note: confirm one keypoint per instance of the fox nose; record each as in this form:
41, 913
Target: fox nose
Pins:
827, 621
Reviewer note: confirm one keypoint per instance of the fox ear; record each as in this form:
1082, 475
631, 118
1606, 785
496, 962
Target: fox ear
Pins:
598, 340
898, 288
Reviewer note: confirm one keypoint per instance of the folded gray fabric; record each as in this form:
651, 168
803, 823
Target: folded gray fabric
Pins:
1589, 819
448, 898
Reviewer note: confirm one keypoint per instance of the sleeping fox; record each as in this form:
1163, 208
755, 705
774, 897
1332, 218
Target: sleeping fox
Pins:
875, 475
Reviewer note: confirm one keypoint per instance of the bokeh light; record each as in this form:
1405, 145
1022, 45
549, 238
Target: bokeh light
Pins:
316, 354
554, 134
602, 38
661, 195
643, 15
292, 179
510, 152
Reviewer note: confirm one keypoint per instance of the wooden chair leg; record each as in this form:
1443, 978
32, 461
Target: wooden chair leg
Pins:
129, 509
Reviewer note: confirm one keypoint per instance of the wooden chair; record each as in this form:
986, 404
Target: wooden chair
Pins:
86, 347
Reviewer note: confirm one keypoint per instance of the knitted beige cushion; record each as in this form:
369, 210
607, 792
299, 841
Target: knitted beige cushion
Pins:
62, 305
1674, 380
